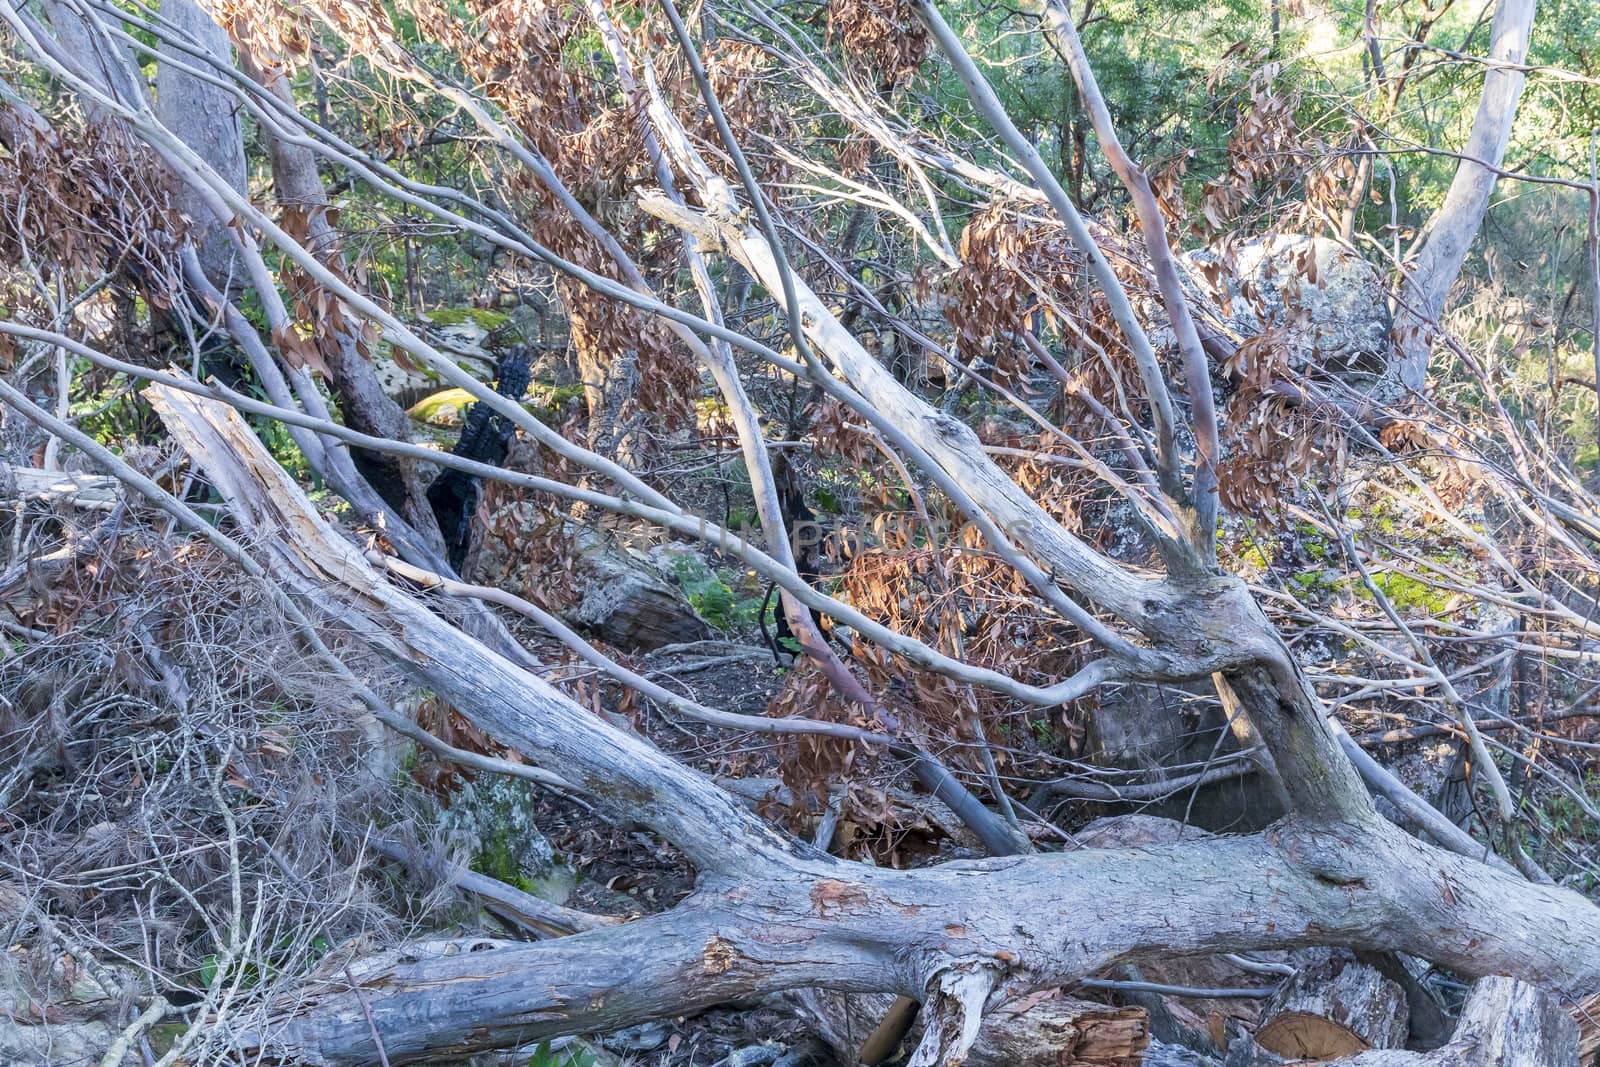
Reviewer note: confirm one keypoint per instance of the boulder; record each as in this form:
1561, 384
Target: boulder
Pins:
626, 602
459, 333
1147, 727
1330, 303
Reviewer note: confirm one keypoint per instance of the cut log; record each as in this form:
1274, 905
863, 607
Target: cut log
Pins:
1505, 1023
1044, 1029
92, 492
1334, 1007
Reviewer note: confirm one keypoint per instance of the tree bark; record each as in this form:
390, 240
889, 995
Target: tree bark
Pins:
1505, 1023
1434, 265
344, 349
1045, 1029
1334, 1006
207, 119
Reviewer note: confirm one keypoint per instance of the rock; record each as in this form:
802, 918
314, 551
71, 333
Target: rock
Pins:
1146, 727
763, 1055
1340, 320
456, 332
626, 602
446, 408
642, 1038
489, 816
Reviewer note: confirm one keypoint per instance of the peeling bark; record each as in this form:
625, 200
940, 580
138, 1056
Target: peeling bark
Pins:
1505, 1023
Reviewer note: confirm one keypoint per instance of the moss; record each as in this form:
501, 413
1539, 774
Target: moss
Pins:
1253, 558
1315, 581
446, 408
558, 395
482, 318
1409, 594
1312, 541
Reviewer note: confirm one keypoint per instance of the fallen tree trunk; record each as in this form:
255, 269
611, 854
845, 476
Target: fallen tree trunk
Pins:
771, 914
79, 489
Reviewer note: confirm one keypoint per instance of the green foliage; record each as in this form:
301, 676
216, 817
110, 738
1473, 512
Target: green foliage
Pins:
1565, 826
545, 1056
251, 973
483, 318
112, 413
711, 597
708, 594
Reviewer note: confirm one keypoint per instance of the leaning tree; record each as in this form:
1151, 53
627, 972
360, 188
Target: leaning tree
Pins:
653, 170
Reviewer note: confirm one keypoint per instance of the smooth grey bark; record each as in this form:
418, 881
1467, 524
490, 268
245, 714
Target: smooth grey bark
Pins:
771, 914
206, 118
105, 63
362, 400
1435, 263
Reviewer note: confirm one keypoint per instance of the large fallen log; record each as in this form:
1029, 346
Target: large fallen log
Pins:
770, 914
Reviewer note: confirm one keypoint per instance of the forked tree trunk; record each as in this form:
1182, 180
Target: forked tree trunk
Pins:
772, 914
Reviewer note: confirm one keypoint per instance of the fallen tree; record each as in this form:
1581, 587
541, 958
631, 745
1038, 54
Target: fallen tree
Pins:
772, 914
769, 913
